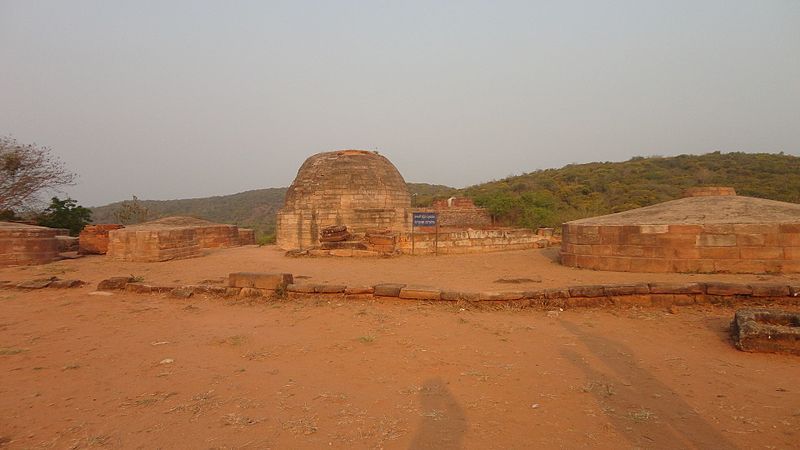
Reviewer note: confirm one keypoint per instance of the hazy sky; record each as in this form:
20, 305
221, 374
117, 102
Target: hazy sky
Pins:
175, 99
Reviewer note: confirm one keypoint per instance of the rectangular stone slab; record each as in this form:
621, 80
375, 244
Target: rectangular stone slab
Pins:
767, 330
270, 281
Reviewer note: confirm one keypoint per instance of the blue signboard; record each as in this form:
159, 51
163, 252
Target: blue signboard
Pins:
424, 219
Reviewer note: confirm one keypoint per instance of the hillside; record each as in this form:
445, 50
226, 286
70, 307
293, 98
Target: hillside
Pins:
551, 197
253, 209
541, 198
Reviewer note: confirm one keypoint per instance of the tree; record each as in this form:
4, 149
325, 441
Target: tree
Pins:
65, 214
26, 170
131, 212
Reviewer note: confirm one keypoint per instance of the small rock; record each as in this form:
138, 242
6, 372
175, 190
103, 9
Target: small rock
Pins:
673, 309
181, 293
35, 284
101, 293
553, 313
167, 361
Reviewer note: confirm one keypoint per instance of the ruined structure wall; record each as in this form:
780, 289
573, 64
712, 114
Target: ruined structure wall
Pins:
470, 241
93, 239
152, 245
217, 236
27, 245
247, 236
709, 248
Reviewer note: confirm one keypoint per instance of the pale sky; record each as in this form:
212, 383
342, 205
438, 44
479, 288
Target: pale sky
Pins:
177, 99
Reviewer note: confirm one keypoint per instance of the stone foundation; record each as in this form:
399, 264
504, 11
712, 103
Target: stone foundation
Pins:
470, 241
93, 239
153, 244
25, 245
247, 236
763, 330
710, 248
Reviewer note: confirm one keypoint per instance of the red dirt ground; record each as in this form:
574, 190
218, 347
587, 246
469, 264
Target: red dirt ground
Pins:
80, 370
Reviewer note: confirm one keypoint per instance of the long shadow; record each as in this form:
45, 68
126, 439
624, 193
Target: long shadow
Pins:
443, 421
644, 410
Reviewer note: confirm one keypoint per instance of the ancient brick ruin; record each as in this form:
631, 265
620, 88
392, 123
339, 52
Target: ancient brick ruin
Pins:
173, 238
711, 231
93, 239
461, 212
359, 189
24, 245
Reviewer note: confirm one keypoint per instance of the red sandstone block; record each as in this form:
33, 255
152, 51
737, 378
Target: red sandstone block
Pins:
610, 235
359, 290
662, 299
683, 299
770, 290
617, 290
790, 239
420, 293
655, 252
587, 291
792, 266
556, 293
602, 250
718, 228
582, 249
716, 240
750, 240
685, 252
632, 300
791, 253
650, 265
653, 229
301, 288
714, 288
692, 265
761, 252
628, 250
789, 228
500, 296
686, 229
719, 252
677, 288
739, 266
615, 264
755, 228
536, 294
587, 302
388, 289
569, 260
587, 261
329, 288
270, 281
677, 240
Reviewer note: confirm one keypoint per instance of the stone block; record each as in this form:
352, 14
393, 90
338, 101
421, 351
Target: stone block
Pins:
330, 288
66, 284
556, 293
181, 292
247, 292
715, 288
138, 288
35, 284
114, 283
388, 289
272, 281
500, 296
716, 240
761, 252
769, 290
534, 294
587, 291
677, 288
420, 293
301, 288
631, 300
764, 330
359, 290
626, 289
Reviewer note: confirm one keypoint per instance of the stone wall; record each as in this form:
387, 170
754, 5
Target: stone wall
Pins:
23, 245
217, 236
469, 241
247, 236
93, 239
460, 212
710, 248
153, 244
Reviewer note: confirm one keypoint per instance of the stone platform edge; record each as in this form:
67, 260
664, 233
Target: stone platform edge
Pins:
629, 295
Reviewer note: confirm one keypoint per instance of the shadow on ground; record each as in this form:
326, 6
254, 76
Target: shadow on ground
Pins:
642, 409
443, 421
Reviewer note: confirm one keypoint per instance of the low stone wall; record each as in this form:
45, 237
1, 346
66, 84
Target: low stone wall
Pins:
247, 236
93, 239
613, 295
469, 241
153, 245
710, 248
217, 236
25, 245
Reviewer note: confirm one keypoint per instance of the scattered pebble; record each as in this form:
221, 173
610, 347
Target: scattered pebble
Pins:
101, 293
167, 361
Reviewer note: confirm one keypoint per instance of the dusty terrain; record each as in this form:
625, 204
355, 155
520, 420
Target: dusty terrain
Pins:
80, 370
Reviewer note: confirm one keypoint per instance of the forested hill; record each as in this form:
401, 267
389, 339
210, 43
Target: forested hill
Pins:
553, 196
541, 198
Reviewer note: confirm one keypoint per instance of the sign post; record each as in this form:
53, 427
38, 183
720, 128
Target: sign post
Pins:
425, 219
